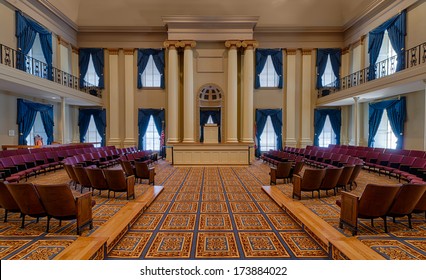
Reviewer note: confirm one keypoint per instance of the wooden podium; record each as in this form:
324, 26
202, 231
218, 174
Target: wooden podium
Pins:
211, 133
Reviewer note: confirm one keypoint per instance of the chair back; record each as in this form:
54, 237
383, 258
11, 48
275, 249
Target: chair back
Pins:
284, 169
97, 178
345, 175
116, 180
298, 167
330, 179
376, 200
312, 179
27, 198
407, 199
355, 172
81, 174
6, 199
127, 167
421, 204
142, 170
58, 200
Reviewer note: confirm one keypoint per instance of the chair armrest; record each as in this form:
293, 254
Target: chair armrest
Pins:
84, 206
297, 182
349, 208
130, 183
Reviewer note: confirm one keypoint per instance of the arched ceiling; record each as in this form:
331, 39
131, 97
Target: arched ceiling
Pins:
271, 13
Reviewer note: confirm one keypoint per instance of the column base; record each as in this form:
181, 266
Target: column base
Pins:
305, 142
129, 143
114, 142
173, 141
247, 141
188, 141
232, 140
291, 142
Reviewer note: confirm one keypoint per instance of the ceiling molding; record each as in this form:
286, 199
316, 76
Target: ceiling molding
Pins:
58, 13
122, 29
299, 29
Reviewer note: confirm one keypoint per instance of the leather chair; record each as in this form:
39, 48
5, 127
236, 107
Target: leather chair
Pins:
144, 172
118, 182
344, 177
374, 202
28, 200
282, 171
421, 205
329, 182
83, 179
128, 168
406, 201
7, 202
97, 179
310, 182
71, 174
60, 203
354, 175
296, 169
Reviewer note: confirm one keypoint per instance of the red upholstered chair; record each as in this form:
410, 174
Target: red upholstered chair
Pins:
282, 171
421, 205
83, 179
406, 200
311, 181
7, 202
345, 177
97, 179
118, 182
374, 202
144, 172
28, 200
60, 203
330, 179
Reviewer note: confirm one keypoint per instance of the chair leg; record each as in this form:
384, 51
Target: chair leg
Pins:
48, 223
23, 221
5, 215
409, 221
386, 225
372, 223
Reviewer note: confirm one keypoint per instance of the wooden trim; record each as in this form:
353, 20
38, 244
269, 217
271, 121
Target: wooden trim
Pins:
129, 51
291, 51
113, 51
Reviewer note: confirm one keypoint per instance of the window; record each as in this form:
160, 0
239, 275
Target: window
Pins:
210, 120
385, 138
387, 58
91, 77
269, 77
35, 61
92, 134
37, 131
327, 135
268, 138
151, 77
328, 78
152, 137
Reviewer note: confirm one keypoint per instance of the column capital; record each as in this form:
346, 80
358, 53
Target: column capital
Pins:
307, 51
291, 51
74, 49
187, 44
356, 99
233, 44
129, 51
113, 51
63, 42
249, 44
171, 44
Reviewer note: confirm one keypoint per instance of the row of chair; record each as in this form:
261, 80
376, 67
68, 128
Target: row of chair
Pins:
140, 169
330, 178
94, 178
51, 201
382, 201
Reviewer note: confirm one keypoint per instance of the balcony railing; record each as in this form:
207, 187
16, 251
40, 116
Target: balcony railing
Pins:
413, 57
18, 60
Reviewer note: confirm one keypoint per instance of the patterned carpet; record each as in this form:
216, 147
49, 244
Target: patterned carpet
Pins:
211, 213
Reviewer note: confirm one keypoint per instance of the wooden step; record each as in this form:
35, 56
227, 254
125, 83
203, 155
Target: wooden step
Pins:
329, 238
84, 248
113, 230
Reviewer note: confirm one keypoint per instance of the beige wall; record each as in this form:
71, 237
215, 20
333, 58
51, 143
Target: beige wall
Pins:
416, 25
7, 23
8, 111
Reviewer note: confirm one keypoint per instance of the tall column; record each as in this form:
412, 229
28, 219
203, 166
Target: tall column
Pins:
114, 98
248, 85
188, 92
129, 99
172, 93
62, 124
306, 121
356, 121
232, 94
74, 61
290, 100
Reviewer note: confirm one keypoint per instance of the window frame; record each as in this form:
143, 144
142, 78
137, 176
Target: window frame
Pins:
153, 67
268, 129
269, 66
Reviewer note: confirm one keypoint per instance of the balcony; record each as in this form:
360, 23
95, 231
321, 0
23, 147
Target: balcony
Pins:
24, 75
385, 82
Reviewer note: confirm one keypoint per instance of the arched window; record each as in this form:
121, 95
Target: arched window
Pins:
327, 135
385, 138
92, 135
151, 77
328, 78
387, 58
37, 130
91, 77
152, 137
268, 138
269, 77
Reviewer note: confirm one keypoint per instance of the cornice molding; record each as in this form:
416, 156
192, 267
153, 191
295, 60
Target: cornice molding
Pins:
113, 51
122, 29
291, 51
129, 51
59, 14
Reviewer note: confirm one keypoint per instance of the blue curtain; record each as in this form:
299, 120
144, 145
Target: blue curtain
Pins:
157, 56
396, 27
204, 117
26, 31
99, 117
335, 59
320, 115
98, 63
277, 61
143, 120
276, 119
27, 112
396, 110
